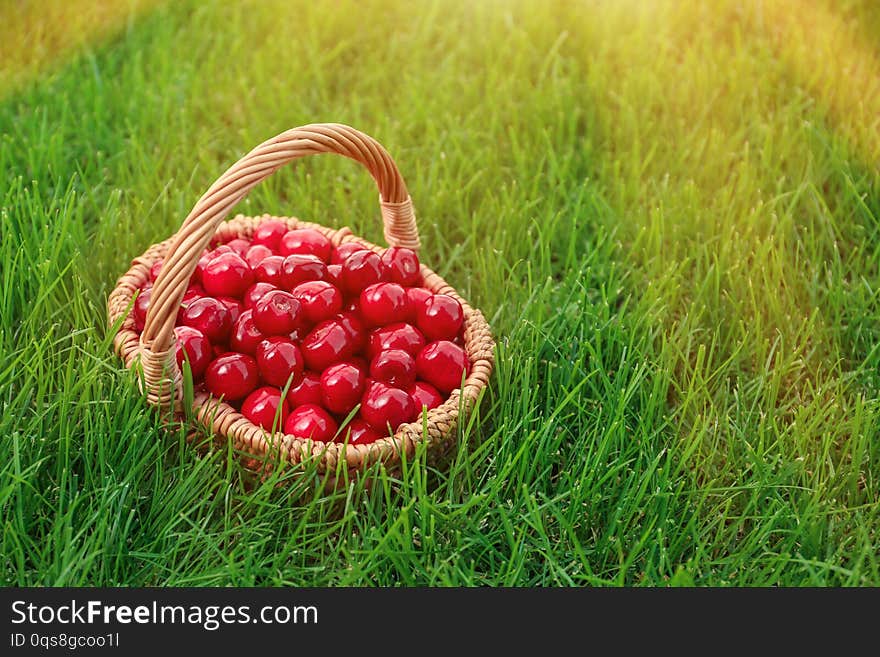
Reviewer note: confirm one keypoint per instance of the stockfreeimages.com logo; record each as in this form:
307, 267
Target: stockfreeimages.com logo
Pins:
209, 617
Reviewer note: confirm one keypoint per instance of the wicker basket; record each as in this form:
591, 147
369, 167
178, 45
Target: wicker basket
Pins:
153, 350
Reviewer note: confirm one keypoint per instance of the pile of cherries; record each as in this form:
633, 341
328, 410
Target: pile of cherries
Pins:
339, 328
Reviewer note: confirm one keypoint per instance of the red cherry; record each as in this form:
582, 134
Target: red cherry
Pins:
193, 292
141, 306
200, 266
416, 296
355, 327
256, 292
232, 376
245, 336
278, 313
227, 275
269, 270
305, 241
442, 364
307, 392
358, 432
334, 275
425, 395
311, 421
210, 316
234, 306
192, 345
279, 361
394, 367
401, 265
384, 303
327, 344
341, 387
255, 255
396, 336
360, 269
265, 408
383, 408
440, 317
298, 269
341, 253
319, 300
155, 269
269, 234
239, 246
220, 250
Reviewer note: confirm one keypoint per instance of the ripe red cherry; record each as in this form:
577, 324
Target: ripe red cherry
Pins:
232, 376
239, 245
425, 395
311, 421
279, 361
305, 241
307, 392
255, 292
442, 364
341, 253
245, 336
227, 275
298, 269
360, 269
192, 345
319, 300
278, 313
396, 336
440, 317
210, 316
384, 303
269, 270
155, 269
401, 265
327, 344
416, 296
358, 432
386, 408
255, 255
265, 408
334, 275
234, 306
394, 367
269, 234
141, 306
355, 327
193, 292
341, 387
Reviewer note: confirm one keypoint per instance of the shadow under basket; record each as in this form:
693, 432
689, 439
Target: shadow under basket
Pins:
153, 350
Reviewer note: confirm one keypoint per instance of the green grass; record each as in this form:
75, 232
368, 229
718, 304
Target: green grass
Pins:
669, 215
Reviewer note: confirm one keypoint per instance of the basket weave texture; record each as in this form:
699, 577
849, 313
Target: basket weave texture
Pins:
152, 351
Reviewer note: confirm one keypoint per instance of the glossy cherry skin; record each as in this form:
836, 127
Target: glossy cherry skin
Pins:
155, 269
269, 234
425, 395
266, 408
308, 391
298, 269
385, 408
305, 241
358, 432
279, 361
443, 365
311, 421
319, 300
384, 303
255, 292
210, 316
334, 275
193, 346
440, 317
278, 313
227, 275
341, 252
255, 255
341, 387
396, 336
416, 296
239, 245
245, 336
401, 266
327, 344
352, 323
232, 376
234, 306
269, 270
394, 367
361, 269
141, 306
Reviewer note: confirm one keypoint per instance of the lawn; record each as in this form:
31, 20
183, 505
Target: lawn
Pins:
669, 213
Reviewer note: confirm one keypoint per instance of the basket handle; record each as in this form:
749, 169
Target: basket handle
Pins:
199, 227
